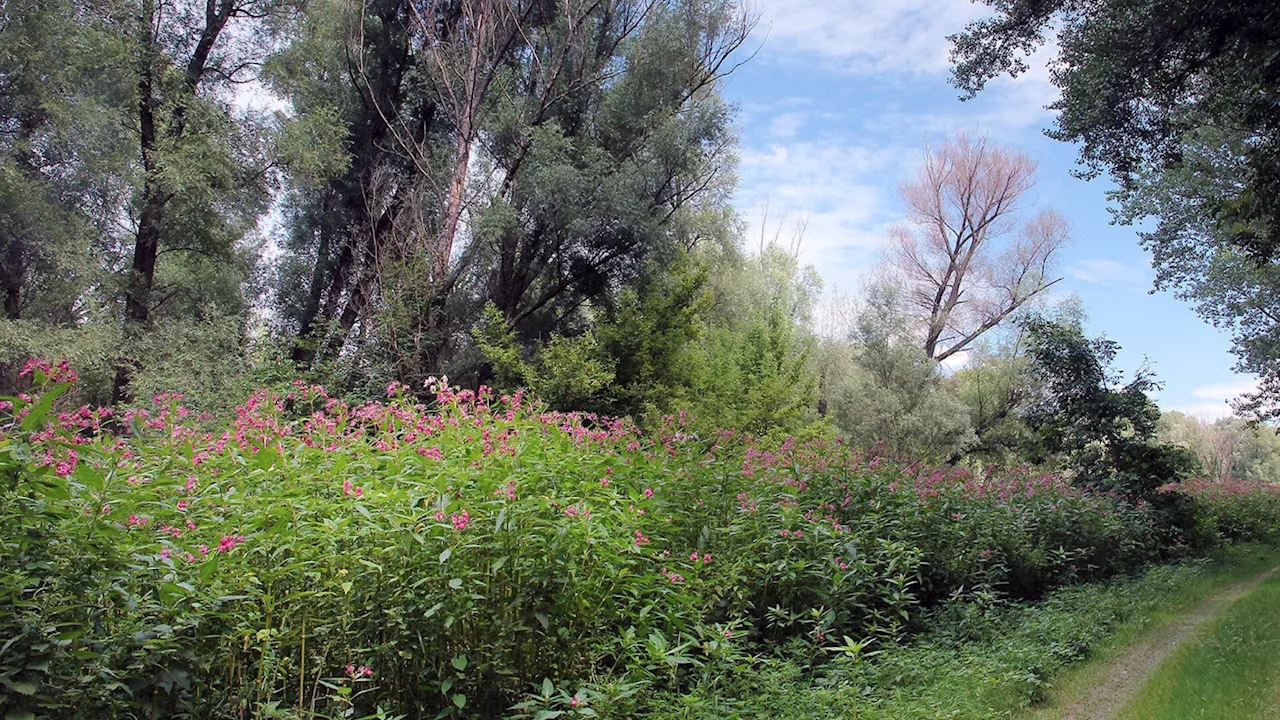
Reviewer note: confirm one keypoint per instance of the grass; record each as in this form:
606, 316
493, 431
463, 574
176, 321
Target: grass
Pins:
1231, 671
1228, 566
981, 660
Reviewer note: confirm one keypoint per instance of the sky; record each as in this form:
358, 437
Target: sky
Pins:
834, 110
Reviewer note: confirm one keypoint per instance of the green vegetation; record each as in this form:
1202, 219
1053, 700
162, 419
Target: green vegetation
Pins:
1173, 100
470, 552
980, 659
506, 420
1232, 671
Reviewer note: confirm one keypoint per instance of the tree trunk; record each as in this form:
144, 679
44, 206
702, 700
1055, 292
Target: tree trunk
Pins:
155, 197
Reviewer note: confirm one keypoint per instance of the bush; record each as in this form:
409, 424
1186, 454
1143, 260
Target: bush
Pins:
1234, 510
474, 556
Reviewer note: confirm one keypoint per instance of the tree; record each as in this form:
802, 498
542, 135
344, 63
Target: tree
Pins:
961, 271
539, 156
1176, 101
894, 399
197, 177
1102, 431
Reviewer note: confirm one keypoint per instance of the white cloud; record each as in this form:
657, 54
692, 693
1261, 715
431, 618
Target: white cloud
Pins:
840, 193
1110, 272
1207, 411
1225, 390
956, 362
787, 124
868, 36
900, 39
1213, 398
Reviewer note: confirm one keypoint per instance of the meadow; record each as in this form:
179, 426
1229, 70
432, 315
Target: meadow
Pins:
479, 556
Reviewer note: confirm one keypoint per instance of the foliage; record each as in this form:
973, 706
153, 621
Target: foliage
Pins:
995, 384
980, 659
537, 157
1104, 431
897, 401
1228, 448
481, 558
567, 372
1176, 101
1232, 510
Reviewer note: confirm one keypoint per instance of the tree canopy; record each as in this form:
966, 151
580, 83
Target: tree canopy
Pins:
1176, 101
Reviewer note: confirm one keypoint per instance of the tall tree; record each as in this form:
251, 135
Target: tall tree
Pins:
200, 173
1103, 431
529, 154
50, 117
969, 256
1176, 100
894, 399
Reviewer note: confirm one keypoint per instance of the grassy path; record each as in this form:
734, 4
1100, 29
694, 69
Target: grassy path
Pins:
1105, 689
1230, 672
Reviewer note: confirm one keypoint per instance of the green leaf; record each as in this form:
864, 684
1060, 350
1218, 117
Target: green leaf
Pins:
460, 700
208, 569
19, 715
23, 687
460, 662
455, 583
40, 410
346, 587
547, 687
448, 552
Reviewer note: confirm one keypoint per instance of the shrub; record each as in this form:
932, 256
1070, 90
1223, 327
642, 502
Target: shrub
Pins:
475, 555
1234, 510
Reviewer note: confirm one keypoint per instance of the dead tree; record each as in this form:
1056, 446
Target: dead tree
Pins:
968, 256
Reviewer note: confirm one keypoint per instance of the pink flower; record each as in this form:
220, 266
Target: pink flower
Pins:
164, 553
182, 504
648, 492
351, 670
693, 557
460, 520
706, 558
604, 482
204, 549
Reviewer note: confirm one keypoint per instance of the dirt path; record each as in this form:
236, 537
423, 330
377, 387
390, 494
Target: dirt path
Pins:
1123, 676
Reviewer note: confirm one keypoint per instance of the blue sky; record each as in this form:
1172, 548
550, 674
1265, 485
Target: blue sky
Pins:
834, 112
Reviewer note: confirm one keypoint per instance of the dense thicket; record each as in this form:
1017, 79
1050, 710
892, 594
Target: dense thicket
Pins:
486, 558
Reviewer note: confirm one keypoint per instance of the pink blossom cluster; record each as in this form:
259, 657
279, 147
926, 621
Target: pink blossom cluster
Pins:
460, 520
674, 577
